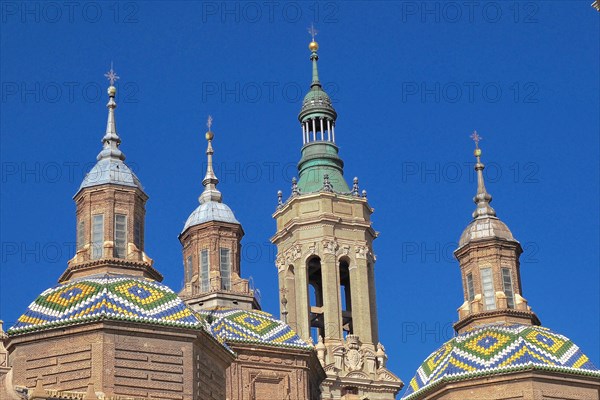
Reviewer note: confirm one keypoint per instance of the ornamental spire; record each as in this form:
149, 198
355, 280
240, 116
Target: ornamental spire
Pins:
111, 140
313, 47
482, 198
210, 181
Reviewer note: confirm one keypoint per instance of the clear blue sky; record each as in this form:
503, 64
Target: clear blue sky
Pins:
410, 82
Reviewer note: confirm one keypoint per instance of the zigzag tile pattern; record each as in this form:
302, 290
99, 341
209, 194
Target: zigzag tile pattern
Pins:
112, 297
251, 326
499, 348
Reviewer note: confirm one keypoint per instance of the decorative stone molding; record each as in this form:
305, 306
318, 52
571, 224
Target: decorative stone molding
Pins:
338, 358
381, 356
321, 351
385, 375
296, 252
344, 251
313, 248
330, 246
353, 359
361, 252
280, 262
370, 361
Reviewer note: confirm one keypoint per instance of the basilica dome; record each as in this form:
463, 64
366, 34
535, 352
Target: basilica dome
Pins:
251, 326
106, 297
496, 349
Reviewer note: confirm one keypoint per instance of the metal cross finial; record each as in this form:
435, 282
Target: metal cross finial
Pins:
313, 32
111, 75
476, 138
209, 122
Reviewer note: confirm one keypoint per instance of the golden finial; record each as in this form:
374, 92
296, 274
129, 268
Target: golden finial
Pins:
209, 134
313, 45
476, 138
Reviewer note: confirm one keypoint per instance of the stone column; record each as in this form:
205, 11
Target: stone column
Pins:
302, 301
290, 285
361, 299
330, 277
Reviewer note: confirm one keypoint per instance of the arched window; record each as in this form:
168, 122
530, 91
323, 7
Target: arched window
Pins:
346, 297
225, 268
97, 236
315, 294
120, 249
507, 286
487, 285
204, 270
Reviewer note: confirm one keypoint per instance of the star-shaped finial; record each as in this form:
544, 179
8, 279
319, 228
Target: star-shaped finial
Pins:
476, 138
313, 32
209, 122
283, 291
111, 75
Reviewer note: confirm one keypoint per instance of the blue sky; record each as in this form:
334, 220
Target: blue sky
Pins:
410, 82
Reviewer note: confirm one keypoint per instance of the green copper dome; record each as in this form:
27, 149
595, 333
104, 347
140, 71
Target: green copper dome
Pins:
320, 168
320, 159
317, 103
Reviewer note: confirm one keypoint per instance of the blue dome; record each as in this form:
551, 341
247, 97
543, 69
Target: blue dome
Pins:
210, 211
499, 348
113, 171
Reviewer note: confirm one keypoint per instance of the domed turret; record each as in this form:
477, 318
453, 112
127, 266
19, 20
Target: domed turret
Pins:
110, 211
500, 349
488, 255
211, 244
211, 206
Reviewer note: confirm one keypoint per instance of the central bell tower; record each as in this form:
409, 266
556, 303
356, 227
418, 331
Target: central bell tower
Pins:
325, 260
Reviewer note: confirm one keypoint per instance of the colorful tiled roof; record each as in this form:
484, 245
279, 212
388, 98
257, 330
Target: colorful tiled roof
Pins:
251, 326
106, 297
494, 349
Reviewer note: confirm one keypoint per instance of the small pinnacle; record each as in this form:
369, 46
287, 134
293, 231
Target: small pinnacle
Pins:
355, 186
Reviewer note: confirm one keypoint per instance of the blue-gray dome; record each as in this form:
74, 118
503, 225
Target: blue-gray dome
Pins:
113, 171
210, 211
